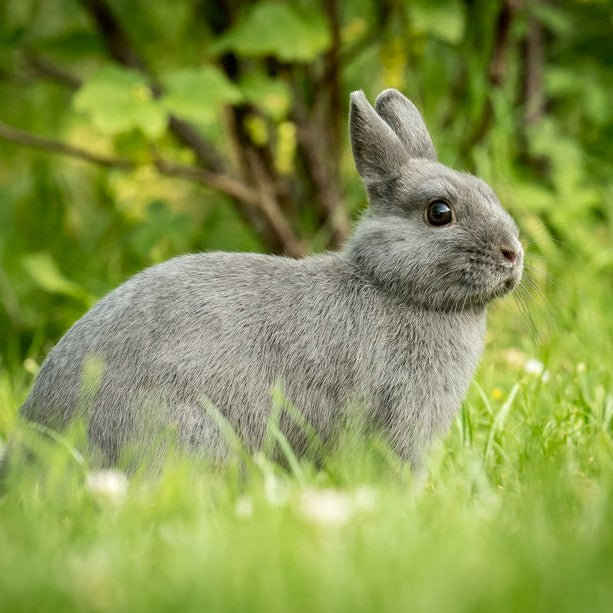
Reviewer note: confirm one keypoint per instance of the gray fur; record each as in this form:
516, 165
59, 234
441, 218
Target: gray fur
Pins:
393, 324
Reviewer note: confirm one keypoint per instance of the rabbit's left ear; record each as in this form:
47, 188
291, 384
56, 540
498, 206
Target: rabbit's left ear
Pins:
377, 150
402, 116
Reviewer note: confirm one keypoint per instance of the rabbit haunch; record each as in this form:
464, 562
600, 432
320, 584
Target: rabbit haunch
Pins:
392, 326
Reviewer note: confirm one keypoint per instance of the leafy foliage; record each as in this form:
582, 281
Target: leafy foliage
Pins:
117, 100
281, 30
197, 94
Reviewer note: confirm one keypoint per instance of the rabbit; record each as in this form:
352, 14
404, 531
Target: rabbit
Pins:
392, 324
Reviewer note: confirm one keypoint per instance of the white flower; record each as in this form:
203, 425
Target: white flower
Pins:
536, 368
110, 486
326, 506
244, 507
515, 357
275, 490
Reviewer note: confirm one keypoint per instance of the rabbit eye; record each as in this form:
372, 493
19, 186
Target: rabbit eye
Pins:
439, 213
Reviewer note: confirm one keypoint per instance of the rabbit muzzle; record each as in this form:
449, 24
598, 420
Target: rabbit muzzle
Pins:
510, 258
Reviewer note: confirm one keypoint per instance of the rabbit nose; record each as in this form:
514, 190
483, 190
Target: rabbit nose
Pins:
509, 253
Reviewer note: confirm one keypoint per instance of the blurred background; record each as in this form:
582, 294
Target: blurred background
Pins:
132, 131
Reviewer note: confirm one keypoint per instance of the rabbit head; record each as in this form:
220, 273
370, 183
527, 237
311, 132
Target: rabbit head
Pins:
434, 236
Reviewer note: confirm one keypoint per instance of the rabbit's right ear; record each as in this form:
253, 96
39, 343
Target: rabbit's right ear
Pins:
377, 151
406, 121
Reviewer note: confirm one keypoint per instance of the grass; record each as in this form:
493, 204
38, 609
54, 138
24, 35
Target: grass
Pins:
515, 513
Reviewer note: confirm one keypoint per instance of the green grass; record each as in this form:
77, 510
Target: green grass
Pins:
515, 512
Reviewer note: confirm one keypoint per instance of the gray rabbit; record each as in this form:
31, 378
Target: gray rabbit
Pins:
393, 324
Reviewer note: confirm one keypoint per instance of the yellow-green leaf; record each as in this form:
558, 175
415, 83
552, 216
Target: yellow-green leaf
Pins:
197, 93
118, 100
282, 30
46, 274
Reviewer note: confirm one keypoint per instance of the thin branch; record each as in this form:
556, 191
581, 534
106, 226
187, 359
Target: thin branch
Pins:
185, 132
498, 63
269, 205
44, 67
26, 139
222, 183
313, 137
113, 34
247, 200
205, 153
497, 71
534, 91
261, 200
384, 12
332, 60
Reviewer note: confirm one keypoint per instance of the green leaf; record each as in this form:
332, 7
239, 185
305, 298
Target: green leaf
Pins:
197, 93
561, 81
46, 274
118, 100
272, 96
282, 30
444, 20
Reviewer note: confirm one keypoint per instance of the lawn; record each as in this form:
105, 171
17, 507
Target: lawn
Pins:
515, 510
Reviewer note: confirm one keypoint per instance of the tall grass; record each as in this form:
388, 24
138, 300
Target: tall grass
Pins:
514, 512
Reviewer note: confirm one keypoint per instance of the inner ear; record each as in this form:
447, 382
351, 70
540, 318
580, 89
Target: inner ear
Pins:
377, 150
407, 123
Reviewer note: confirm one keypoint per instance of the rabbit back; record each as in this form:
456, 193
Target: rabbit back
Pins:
214, 327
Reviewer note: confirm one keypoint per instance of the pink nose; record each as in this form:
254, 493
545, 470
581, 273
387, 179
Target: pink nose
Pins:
508, 253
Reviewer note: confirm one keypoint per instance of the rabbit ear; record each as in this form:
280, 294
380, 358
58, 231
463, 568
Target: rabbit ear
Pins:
377, 151
405, 120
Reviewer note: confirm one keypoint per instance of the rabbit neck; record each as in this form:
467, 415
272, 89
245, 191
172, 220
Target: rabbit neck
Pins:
385, 252
397, 285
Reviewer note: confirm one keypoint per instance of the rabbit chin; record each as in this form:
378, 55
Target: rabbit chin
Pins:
465, 294
495, 287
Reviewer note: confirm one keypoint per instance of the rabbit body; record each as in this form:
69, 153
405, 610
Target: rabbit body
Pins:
393, 324
227, 327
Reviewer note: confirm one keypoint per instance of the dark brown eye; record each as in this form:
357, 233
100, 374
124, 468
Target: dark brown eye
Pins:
439, 213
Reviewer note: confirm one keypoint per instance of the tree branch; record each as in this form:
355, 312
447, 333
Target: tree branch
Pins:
270, 207
186, 133
248, 201
223, 183
533, 90
26, 139
313, 134
497, 71
49, 70
113, 34
331, 60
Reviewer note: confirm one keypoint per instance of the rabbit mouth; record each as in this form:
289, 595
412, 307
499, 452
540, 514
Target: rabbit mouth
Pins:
495, 288
510, 283
506, 285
